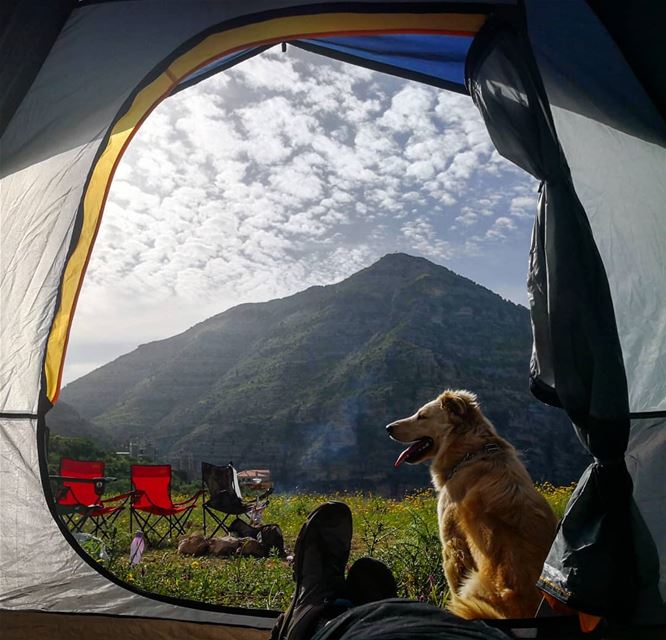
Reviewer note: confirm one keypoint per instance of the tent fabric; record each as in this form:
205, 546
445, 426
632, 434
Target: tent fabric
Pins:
567, 108
438, 60
645, 456
637, 29
24, 21
28, 625
614, 140
216, 67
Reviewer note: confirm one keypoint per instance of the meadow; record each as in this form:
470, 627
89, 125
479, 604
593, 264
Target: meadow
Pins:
401, 533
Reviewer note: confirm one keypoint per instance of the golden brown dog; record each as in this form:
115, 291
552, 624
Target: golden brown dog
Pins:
495, 528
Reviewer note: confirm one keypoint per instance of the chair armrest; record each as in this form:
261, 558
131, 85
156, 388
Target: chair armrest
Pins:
60, 492
137, 493
121, 496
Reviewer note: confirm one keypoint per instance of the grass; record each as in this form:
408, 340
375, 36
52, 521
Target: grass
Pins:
401, 533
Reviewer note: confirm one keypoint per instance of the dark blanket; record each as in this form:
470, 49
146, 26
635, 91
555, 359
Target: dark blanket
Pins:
399, 619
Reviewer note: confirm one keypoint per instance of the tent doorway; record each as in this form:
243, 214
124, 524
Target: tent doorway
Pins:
286, 172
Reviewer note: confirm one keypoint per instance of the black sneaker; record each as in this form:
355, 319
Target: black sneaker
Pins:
370, 580
320, 557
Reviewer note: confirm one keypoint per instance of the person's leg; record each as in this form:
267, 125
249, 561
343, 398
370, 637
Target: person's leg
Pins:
320, 558
370, 580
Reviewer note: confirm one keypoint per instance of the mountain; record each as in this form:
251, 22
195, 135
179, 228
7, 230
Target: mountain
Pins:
65, 420
304, 385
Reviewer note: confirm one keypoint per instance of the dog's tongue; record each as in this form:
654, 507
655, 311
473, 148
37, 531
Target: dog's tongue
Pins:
406, 453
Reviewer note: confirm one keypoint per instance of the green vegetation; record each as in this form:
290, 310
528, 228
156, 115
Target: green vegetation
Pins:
304, 385
401, 533
117, 466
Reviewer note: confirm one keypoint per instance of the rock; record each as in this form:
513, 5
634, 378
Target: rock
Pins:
251, 547
193, 545
226, 546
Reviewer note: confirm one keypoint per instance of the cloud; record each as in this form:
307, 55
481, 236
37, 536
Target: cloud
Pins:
422, 238
467, 218
499, 230
281, 173
523, 206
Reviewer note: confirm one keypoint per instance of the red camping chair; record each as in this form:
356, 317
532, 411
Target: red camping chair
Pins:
80, 487
152, 502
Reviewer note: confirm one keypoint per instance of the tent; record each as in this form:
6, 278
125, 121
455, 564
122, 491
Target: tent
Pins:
570, 91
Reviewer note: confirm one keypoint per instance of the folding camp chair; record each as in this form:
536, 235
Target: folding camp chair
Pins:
79, 490
224, 497
152, 503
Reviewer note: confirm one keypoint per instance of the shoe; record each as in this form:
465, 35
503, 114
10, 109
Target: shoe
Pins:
370, 580
321, 554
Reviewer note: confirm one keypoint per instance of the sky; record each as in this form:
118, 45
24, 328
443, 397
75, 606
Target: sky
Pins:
291, 170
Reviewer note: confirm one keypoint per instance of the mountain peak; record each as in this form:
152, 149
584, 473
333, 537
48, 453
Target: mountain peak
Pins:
403, 264
302, 385
403, 259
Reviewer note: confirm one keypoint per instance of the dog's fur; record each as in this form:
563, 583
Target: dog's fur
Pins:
495, 528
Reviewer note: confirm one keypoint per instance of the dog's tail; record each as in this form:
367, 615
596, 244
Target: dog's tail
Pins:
473, 609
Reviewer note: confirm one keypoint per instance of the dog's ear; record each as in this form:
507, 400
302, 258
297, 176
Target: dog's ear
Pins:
458, 403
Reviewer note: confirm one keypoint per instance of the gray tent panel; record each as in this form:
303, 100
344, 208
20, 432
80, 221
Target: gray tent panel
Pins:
578, 358
614, 140
645, 461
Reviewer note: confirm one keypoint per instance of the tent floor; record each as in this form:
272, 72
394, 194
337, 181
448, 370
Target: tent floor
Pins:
28, 625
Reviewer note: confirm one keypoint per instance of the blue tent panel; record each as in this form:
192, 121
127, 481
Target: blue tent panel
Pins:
434, 59
438, 60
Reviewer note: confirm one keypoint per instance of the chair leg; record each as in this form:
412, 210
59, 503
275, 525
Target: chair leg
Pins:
149, 528
104, 525
179, 522
75, 524
220, 523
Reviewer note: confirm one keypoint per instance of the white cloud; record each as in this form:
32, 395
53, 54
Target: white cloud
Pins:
284, 172
468, 217
523, 206
423, 239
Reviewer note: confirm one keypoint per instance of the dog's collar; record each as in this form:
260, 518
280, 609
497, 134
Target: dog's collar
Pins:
487, 450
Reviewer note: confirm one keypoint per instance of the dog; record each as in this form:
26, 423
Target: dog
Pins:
495, 528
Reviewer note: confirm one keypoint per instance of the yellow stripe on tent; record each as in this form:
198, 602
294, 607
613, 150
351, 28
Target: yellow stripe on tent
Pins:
211, 48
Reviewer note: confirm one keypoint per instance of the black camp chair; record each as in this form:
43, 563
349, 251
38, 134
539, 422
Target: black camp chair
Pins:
225, 502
